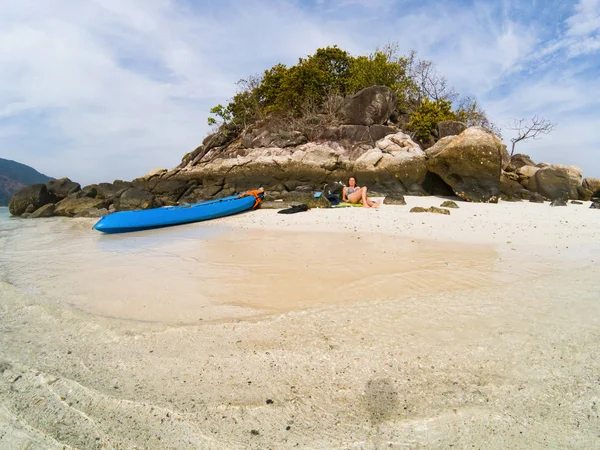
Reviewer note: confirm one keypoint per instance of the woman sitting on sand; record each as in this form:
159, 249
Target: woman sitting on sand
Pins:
356, 194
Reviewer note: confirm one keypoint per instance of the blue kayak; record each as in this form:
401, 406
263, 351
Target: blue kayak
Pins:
126, 221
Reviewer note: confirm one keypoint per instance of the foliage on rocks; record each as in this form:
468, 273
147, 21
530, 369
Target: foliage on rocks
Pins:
317, 85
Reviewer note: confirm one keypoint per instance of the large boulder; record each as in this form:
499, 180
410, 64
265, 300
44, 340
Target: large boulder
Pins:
43, 211
450, 128
520, 160
511, 190
396, 157
34, 195
110, 191
169, 191
73, 205
555, 181
591, 184
369, 106
471, 164
133, 199
526, 172
62, 187
584, 194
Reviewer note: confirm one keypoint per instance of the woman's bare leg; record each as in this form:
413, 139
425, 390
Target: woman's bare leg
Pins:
355, 197
365, 200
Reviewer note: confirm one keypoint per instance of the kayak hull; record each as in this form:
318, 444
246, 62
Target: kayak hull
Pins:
128, 221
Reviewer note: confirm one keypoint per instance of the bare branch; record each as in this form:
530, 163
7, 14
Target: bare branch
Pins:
533, 128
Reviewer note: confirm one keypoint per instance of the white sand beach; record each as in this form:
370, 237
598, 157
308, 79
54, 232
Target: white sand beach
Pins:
342, 328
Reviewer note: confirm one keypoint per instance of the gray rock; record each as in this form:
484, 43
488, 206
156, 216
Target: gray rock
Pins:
36, 195
30, 209
576, 202
584, 193
90, 191
369, 106
62, 188
73, 205
510, 190
536, 198
110, 191
471, 164
595, 205
450, 128
591, 184
431, 209
394, 199
449, 204
558, 202
44, 211
378, 132
265, 137
217, 139
556, 181
519, 160
133, 199
169, 191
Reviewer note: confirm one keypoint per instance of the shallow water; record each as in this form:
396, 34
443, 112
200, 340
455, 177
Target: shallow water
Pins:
206, 272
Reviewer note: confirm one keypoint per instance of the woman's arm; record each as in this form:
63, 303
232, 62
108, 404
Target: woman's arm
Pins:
345, 194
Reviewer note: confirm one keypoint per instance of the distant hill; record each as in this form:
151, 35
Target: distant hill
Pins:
14, 175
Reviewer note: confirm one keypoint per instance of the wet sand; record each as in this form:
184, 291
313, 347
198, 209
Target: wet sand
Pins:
464, 330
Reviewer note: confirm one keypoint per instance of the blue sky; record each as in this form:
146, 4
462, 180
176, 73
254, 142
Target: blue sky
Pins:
109, 89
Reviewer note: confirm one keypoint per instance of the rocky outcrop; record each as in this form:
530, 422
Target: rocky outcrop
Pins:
555, 181
369, 106
62, 187
350, 135
470, 163
450, 128
267, 138
43, 211
73, 205
394, 199
558, 202
520, 160
592, 185
132, 199
511, 190
584, 194
393, 164
536, 198
110, 191
35, 195
526, 172
449, 204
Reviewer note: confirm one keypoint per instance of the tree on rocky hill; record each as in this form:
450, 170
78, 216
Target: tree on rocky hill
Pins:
312, 90
532, 128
